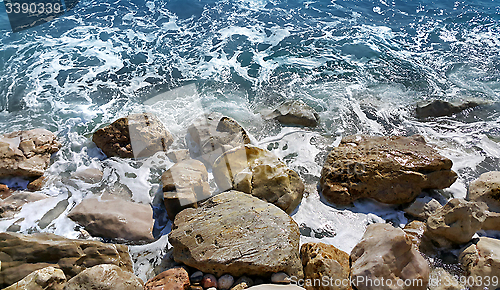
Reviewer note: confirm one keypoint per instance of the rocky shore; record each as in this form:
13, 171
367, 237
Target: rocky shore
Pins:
225, 206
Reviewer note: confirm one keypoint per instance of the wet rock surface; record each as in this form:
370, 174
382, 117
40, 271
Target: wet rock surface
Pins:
22, 254
104, 277
322, 260
115, 219
481, 260
456, 222
12, 204
184, 184
439, 108
260, 173
89, 175
48, 278
138, 135
231, 233
294, 112
27, 153
391, 170
387, 253
487, 189
214, 134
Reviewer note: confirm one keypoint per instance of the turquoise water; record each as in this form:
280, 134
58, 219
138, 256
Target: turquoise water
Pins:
363, 65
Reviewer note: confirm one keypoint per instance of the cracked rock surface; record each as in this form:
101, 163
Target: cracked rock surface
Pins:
27, 153
226, 234
392, 170
260, 173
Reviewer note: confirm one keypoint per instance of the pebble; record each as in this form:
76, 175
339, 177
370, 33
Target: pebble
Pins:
281, 278
209, 281
225, 282
242, 283
196, 277
212, 288
195, 287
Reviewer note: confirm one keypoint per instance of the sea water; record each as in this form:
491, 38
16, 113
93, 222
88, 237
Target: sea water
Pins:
363, 65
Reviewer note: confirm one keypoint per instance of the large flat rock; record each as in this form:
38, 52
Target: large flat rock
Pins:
392, 170
238, 234
27, 153
22, 254
115, 219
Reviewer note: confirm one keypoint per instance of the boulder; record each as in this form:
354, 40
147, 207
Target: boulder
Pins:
392, 170
178, 155
260, 173
439, 108
487, 189
440, 279
172, 279
322, 260
89, 175
422, 208
215, 134
115, 219
492, 222
387, 254
294, 112
232, 233
481, 261
12, 204
22, 254
184, 184
456, 222
104, 277
138, 135
27, 153
48, 278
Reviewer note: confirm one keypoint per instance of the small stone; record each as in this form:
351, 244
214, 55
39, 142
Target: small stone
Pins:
242, 283
209, 281
172, 279
37, 184
212, 288
195, 287
281, 278
225, 282
196, 277
5, 191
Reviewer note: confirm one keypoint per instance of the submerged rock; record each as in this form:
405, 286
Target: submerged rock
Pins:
456, 222
260, 173
138, 135
391, 170
172, 279
184, 184
115, 219
89, 175
387, 253
232, 233
481, 261
322, 260
27, 153
104, 277
294, 112
439, 108
423, 207
12, 204
48, 278
487, 189
215, 134
22, 254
